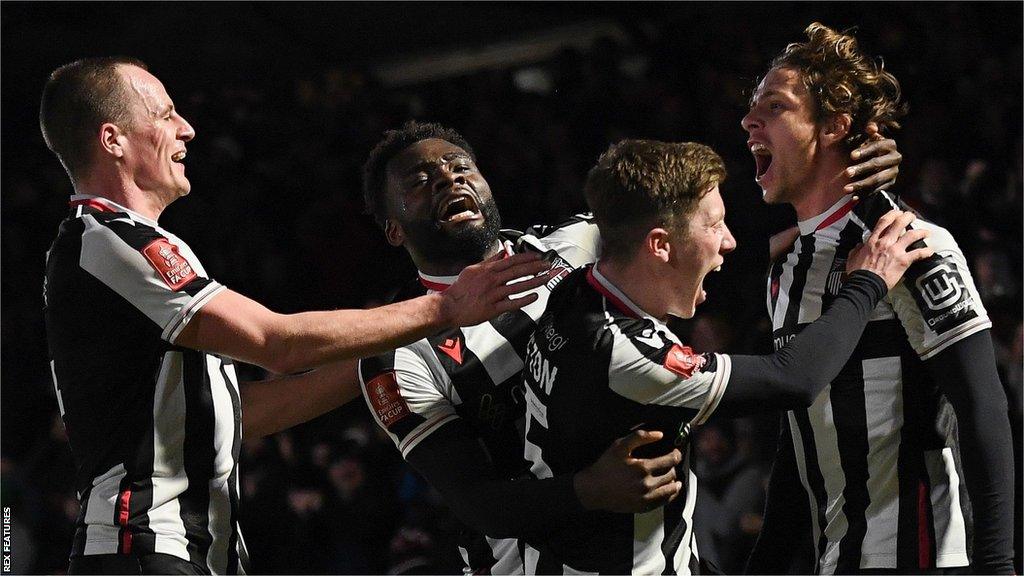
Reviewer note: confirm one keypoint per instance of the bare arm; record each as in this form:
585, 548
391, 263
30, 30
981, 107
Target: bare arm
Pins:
269, 406
241, 328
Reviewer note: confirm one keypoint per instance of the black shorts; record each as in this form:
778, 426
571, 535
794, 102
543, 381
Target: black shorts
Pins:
126, 564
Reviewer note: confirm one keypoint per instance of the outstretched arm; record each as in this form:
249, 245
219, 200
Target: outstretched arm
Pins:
241, 328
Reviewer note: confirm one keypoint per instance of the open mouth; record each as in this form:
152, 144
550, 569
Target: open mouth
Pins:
762, 159
457, 208
178, 156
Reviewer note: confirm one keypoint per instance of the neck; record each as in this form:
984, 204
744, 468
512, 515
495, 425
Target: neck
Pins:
122, 191
826, 187
449, 267
638, 284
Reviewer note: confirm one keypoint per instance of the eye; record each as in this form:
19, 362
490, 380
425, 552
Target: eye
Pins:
775, 106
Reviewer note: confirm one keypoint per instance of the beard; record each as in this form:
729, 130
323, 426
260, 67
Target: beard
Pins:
465, 246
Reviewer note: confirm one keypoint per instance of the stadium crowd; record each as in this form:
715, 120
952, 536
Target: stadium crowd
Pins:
276, 213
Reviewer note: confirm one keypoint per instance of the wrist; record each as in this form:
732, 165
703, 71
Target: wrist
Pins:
581, 487
439, 314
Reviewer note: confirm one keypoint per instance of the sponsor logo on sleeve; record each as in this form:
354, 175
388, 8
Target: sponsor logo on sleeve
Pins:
682, 360
386, 399
943, 298
171, 266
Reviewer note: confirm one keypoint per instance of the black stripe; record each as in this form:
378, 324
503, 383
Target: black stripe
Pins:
78, 544
850, 415
516, 327
908, 466
236, 448
676, 523
815, 480
141, 470
848, 239
796, 291
199, 455
775, 277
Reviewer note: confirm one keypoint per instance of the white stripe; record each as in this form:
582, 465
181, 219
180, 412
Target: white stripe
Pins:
498, 357
185, 315
883, 408
785, 284
817, 275
219, 509
688, 545
413, 438
530, 558
723, 370
648, 533
950, 530
56, 388
826, 444
618, 293
101, 534
169, 480
801, 465
506, 555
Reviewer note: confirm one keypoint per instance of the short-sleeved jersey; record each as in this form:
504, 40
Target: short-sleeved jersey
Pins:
597, 367
473, 374
877, 452
154, 428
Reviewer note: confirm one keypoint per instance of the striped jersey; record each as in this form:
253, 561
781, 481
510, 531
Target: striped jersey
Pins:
597, 367
876, 452
473, 374
155, 429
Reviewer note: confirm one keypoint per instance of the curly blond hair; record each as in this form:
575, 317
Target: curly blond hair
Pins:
841, 79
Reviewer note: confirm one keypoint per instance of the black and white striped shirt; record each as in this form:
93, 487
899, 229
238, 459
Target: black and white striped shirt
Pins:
597, 367
154, 428
473, 374
877, 451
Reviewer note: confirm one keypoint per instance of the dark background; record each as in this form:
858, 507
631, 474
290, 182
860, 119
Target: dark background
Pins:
288, 98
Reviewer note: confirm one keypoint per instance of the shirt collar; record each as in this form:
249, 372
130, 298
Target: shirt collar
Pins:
107, 205
828, 217
441, 283
611, 292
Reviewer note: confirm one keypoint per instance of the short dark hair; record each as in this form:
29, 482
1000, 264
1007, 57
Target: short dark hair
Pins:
393, 142
639, 184
77, 99
842, 79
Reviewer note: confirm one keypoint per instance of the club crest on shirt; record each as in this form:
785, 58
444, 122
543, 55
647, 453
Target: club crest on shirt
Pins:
172, 267
682, 360
559, 270
834, 282
386, 399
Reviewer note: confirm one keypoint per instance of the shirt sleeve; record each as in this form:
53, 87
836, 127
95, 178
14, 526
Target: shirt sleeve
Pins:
937, 301
156, 272
650, 366
577, 241
409, 396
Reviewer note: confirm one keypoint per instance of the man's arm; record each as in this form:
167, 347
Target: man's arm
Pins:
452, 460
241, 328
966, 373
269, 406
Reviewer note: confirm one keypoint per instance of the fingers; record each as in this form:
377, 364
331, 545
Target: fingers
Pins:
912, 236
669, 460
883, 224
536, 267
920, 254
662, 495
636, 439
878, 181
877, 146
507, 304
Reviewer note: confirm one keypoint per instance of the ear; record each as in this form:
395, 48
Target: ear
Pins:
835, 128
394, 233
657, 244
112, 140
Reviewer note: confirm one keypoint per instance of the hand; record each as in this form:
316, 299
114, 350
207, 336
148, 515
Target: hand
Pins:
877, 159
618, 482
482, 290
885, 251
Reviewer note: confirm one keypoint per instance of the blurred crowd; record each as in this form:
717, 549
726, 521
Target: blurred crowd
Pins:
276, 213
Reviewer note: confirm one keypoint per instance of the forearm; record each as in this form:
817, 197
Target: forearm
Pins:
967, 375
310, 339
269, 406
794, 375
453, 462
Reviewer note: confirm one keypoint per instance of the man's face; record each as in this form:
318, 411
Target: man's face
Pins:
442, 203
702, 247
155, 142
782, 135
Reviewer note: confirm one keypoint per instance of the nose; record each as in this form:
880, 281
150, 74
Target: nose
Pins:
728, 241
750, 121
446, 178
185, 130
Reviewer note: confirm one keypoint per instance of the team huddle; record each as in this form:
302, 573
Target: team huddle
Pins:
530, 376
